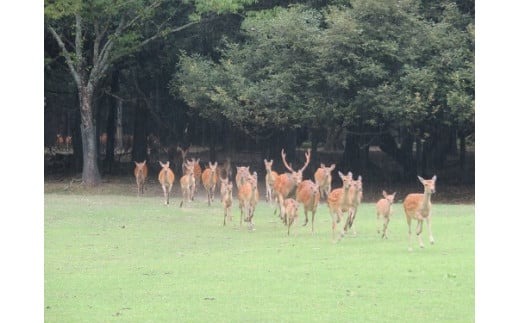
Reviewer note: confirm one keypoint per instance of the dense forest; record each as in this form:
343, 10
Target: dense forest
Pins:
133, 80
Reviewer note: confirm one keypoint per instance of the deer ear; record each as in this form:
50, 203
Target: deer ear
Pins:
359, 178
394, 194
136, 163
332, 167
160, 163
434, 178
144, 163
420, 179
265, 161
322, 165
349, 174
167, 164
384, 193
340, 174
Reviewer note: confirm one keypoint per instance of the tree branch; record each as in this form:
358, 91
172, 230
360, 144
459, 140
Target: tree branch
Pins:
66, 54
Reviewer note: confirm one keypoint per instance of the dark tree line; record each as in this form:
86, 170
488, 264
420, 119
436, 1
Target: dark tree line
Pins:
258, 76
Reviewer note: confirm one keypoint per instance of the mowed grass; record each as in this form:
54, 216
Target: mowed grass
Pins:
119, 258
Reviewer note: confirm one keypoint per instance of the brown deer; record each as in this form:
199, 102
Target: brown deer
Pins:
68, 142
197, 174
247, 199
323, 177
419, 207
187, 182
308, 194
336, 200
226, 193
290, 210
209, 180
351, 204
140, 173
166, 178
286, 183
383, 212
270, 178
242, 175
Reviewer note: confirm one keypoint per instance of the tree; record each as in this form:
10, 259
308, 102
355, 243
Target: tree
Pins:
92, 35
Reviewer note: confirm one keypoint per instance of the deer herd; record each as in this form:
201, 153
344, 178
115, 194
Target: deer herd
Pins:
291, 193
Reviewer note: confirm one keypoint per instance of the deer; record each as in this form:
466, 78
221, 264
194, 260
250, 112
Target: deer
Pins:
209, 180
418, 207
140, 173
242, 175
68, 142
197, 174
226, 193
247, 199
187, 182
336, 200
286, 183
59, 141
224, 170
323, 177
383, 212
308, 194
270, 178
290, 210
355, 195
166, 179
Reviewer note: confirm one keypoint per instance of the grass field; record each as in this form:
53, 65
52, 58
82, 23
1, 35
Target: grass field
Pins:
119, 258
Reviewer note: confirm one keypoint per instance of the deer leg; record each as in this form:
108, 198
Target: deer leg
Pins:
428, 223
409, 233
306, 219
164, 194
418, 232
313, 213
385, 228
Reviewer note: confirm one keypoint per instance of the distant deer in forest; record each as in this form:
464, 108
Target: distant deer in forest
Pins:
188, 182
140, 173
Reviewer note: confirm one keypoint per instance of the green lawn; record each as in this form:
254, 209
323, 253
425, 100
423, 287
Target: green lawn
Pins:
126, 259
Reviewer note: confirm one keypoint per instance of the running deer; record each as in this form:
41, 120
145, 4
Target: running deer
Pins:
226, 193
209, 180
188, 182
166, 178
308, 194
140, 173
351, 204
270, 178
247, 199
323, 177
383, 212
290, 210
286, 183
242, 175
419, 207
336, 200
197, 174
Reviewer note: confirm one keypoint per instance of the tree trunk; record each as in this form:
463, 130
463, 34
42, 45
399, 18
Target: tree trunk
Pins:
139, 152
90, 175
119, 126
112, 110
462, 156
77, 143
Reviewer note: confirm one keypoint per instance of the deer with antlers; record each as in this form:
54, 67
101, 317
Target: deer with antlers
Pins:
418, 207
140, 173
323, 177
209, 180
286, 183
166, 178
